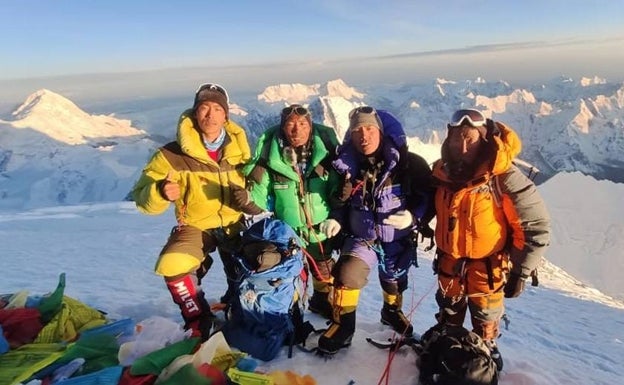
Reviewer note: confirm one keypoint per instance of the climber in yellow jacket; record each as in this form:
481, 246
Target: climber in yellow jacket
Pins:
198, 173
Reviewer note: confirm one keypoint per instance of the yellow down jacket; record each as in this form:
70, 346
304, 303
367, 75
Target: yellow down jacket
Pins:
206, 200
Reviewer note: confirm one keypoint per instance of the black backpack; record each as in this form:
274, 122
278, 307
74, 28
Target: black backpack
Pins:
453, 355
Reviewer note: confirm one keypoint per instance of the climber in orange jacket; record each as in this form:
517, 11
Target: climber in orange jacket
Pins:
492, 225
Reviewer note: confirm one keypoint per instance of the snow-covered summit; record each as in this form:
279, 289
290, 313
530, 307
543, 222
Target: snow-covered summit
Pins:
55, 153
338, 88
59, 118
288, 93
302, 93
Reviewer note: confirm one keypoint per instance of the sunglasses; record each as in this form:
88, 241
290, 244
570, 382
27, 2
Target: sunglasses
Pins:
473, 117
295, 109
366, 110
206, 87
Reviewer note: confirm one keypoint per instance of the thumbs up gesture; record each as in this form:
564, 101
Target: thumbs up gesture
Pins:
169, 187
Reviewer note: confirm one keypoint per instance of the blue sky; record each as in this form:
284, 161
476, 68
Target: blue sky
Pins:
317, 39
64, 37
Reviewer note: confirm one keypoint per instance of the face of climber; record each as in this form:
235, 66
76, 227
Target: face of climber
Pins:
297, 130
366, 139
211, 118
464, 144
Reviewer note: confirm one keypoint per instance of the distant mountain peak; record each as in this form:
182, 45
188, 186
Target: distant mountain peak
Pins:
584, 82
45, 100
499, 103
59, 118
300, 93
339, 88
444, 81
288, 93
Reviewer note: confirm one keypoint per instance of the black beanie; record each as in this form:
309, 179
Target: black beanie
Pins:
211, 96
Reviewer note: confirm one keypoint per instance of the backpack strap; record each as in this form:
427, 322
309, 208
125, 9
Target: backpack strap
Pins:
496, 190
527, 168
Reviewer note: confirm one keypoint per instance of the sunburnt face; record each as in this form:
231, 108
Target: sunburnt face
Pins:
297, 130
464, 144
366, 139
210, 117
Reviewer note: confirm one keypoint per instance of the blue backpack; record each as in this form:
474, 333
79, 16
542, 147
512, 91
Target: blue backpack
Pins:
266, 312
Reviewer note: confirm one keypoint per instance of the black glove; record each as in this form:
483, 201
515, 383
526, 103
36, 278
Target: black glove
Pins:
425, 230
514, 285
240, 196
242, 199
346, 188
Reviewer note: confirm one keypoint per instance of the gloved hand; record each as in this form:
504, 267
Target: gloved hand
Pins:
242, 200
241, 196
169, 188
330, 227
346, 188
514, 286
399, 220
425, 230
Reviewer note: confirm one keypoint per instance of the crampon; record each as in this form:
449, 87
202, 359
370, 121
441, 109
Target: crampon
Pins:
397, 343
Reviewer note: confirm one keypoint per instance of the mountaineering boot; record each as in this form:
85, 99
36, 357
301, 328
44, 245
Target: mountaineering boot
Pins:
319, 304
340, 332
338, 335
495, 354
392, 315
194, 308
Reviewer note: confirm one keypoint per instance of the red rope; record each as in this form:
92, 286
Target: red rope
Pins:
386, 373
312, 262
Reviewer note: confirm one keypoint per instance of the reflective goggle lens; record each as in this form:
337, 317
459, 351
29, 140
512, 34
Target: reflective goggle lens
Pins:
295, 109
473, 117
362, 110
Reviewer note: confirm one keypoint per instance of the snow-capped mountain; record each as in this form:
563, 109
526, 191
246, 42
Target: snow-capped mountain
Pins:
300, 93
52, 152
565, 125
60, 119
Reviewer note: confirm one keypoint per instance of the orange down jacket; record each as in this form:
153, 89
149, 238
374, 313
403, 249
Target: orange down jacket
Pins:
498, 210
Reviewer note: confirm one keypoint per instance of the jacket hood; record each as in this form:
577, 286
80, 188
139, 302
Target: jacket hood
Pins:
503, 145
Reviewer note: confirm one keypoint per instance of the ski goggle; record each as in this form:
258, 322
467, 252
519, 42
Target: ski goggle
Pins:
473, 117
366, 110
295, 109
208, 87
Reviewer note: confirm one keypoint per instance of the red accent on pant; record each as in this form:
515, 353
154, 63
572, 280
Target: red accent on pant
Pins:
185, 294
